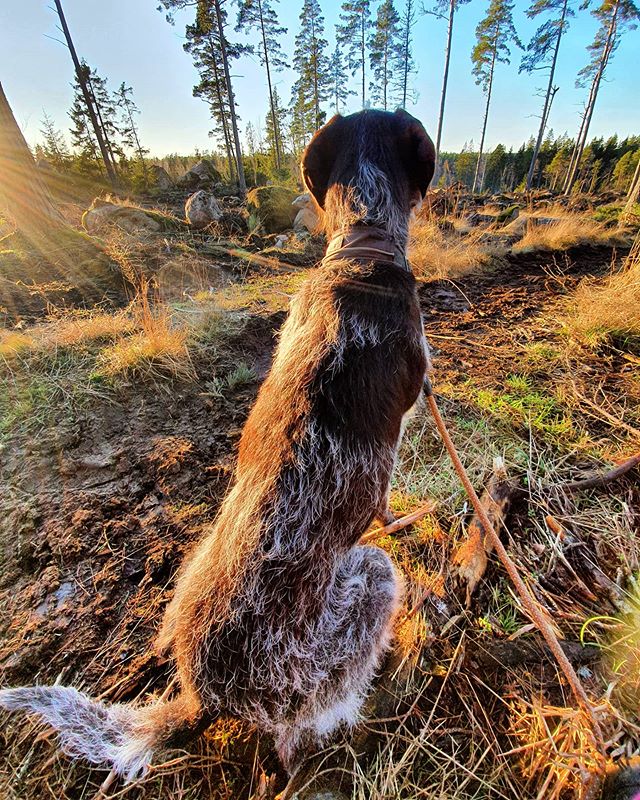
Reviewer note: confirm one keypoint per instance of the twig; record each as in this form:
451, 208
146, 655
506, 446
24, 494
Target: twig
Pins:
602, 479
592, 786
399, 524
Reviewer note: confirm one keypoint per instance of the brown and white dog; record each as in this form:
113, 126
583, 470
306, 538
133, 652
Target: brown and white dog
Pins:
279, 616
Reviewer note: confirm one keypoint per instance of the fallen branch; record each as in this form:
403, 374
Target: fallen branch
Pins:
591, 786
602, 479
399, 524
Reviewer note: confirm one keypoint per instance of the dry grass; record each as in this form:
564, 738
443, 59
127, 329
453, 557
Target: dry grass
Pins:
608, 309
569, 231
434, 253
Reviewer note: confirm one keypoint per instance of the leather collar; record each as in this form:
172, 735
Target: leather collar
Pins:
365, 244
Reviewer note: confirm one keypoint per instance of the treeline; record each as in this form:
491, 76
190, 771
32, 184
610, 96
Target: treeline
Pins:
371, 62
606, 165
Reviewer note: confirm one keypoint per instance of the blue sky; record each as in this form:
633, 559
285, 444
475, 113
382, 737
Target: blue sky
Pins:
129, 40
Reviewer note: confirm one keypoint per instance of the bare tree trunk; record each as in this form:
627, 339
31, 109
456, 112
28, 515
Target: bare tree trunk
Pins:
633, 196
242, 185
445, 80
593, 94
407, 39
22, 191
363, 55
547, 99
274, 120
477, 186
225, 127
87, 97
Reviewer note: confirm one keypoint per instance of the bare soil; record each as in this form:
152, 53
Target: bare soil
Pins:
98, 510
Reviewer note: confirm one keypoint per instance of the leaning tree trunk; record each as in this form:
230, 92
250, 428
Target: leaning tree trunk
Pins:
633, 197
445, 79
477, 184
547, 99
22, 191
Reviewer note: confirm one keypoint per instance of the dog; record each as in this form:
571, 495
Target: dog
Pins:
279, 616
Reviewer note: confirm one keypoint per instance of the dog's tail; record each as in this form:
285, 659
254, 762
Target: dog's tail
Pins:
122, 737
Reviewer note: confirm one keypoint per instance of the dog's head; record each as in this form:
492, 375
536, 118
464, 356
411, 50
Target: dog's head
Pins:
383, 158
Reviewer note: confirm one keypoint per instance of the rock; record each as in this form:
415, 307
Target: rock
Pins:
272, 207
307, 217
103, 214
161, 178
201, 209
200, 176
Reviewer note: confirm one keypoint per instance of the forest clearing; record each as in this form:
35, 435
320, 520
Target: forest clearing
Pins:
142, 304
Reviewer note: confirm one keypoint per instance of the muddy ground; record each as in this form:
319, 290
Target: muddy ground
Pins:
97, 511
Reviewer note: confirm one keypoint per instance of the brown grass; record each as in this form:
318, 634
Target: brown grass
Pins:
434, 253
608, 309
569, 231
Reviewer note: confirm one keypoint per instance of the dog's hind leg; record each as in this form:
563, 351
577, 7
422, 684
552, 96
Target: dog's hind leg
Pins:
351, 637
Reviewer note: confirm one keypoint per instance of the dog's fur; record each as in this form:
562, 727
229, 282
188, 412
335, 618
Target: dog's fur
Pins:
279, 616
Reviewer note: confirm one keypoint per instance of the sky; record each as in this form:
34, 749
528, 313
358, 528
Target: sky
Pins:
129, 40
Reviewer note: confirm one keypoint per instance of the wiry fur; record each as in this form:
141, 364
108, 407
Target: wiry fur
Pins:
279, 616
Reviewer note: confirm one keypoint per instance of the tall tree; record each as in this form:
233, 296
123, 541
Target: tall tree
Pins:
405, 53
352, 34
340, 91
81, 77
83, 139
494, 34
213, 14
542, 53
385, 48
22, 191
614, 17
445, 9
274, 125
105, 106
313, 85
261, 15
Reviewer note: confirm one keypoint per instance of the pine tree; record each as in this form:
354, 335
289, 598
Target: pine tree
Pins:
352, 34
385, 48
83, 138
275, 123
494, 34
54, 147
614, 17
211, 21
252, 146
445, 9
542, 53
106, 111
86, 96
340, 91
406, 62
261, 15
129, 130
314, 78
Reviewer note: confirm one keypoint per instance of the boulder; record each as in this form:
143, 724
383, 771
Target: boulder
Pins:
307, 217
161, 178
103, 214
201, 209
200, 176
272, 207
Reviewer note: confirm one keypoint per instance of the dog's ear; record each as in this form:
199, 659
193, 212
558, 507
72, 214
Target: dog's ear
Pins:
319, 157
417, 151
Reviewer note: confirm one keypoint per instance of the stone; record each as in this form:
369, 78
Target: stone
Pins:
104, 214
201, 209
201, 175
272, 208
161, 178
307, 217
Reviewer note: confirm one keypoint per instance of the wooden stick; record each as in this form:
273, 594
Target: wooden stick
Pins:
591, 787
601, 480
399, 524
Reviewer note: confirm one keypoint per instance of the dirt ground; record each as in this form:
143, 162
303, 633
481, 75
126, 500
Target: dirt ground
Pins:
97, 511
